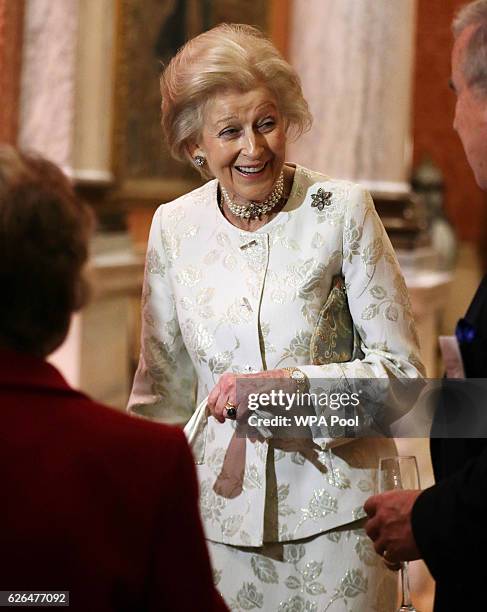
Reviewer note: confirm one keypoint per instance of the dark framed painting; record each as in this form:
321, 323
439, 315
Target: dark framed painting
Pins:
149, 33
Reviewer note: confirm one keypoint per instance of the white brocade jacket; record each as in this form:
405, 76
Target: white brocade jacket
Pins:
218, 299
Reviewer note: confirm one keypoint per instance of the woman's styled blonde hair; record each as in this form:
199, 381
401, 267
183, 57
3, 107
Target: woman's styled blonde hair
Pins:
229, 56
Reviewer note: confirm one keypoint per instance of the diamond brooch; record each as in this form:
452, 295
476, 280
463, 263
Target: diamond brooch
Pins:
321, 199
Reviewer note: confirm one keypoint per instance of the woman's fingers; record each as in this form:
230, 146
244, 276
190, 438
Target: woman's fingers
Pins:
227, 384
212, 402
220, 410
222, 393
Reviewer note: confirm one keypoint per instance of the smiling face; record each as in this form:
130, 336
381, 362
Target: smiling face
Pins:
470, 112
244, 142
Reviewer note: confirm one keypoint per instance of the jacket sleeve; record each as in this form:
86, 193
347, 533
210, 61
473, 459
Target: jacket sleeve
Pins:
377, 297
164, 384
448, 522
181, 575
379, 304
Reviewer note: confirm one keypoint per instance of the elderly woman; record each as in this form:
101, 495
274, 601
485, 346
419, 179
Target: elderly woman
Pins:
237, 274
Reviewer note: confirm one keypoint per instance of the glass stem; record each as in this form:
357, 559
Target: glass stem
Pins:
406, 597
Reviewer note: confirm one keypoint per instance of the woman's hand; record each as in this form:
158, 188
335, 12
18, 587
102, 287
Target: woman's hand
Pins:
225, 391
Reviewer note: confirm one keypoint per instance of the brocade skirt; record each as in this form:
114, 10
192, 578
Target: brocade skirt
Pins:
335, 571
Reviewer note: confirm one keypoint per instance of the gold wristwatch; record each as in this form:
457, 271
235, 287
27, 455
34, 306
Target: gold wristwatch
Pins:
299, 378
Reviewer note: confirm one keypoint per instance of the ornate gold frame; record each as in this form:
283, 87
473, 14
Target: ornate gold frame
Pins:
133, 191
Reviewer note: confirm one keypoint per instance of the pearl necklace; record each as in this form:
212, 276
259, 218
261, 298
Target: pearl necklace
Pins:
254, 210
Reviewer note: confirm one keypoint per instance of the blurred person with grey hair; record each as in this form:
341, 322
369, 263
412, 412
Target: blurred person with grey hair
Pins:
445, 524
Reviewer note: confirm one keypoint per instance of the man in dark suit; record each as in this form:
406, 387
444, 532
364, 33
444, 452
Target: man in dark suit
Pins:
94, 502
445, 524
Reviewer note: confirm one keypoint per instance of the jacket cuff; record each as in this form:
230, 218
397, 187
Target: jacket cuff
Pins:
430, 519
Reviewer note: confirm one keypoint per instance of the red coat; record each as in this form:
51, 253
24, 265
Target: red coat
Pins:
94, 501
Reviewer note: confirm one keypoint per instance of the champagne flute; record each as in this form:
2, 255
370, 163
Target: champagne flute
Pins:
399, 473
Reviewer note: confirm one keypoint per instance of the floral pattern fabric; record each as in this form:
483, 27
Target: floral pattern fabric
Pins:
337, 571
218, 299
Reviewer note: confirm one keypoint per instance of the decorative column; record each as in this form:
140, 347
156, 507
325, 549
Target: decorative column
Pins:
11, 27
94, 84
48, 79
355, 60
67, 88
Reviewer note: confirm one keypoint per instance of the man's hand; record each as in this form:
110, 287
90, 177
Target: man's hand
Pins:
389, 525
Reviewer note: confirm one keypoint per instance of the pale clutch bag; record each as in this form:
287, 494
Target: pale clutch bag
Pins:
335, 338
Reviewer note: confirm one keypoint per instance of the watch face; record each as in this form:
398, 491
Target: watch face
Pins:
297, 375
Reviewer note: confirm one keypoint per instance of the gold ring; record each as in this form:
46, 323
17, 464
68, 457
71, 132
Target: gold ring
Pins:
231, 410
